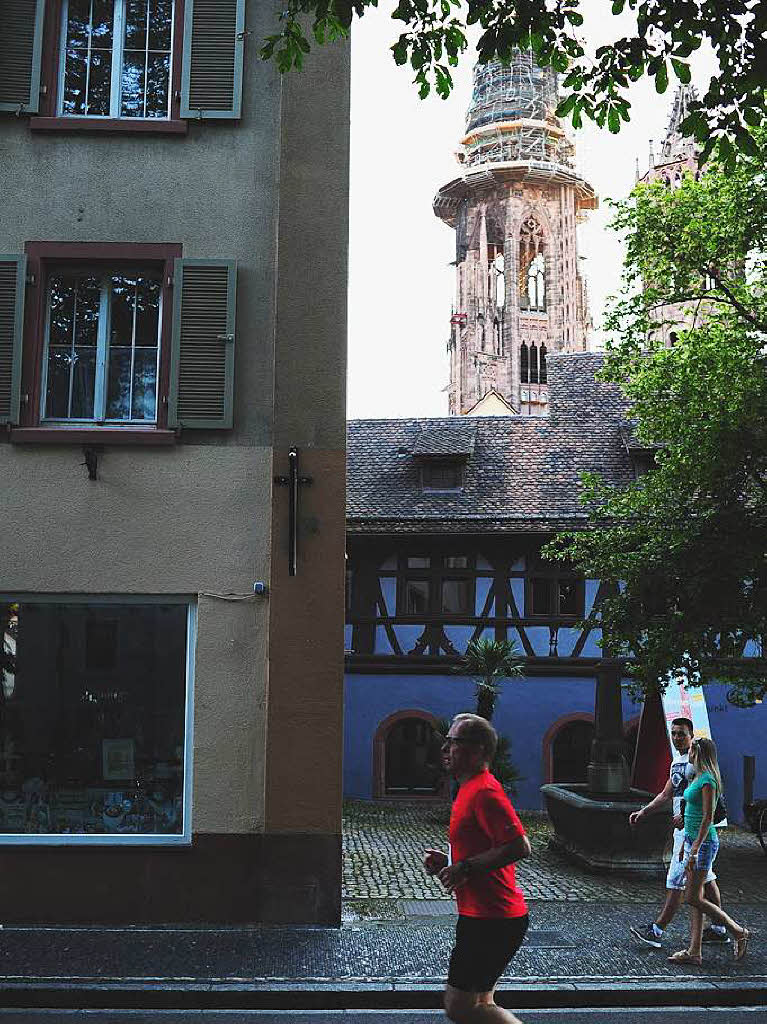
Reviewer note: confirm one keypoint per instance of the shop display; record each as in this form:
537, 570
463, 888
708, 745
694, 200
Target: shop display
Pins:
92, 719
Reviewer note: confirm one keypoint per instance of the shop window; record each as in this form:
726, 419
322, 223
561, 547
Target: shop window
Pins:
418, 561
412, 765
93, 724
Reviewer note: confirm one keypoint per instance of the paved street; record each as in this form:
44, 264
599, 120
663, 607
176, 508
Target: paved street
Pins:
382, 863
659, 1015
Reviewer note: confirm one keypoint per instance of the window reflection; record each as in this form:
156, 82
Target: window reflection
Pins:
416, 597
103, 347
127, 75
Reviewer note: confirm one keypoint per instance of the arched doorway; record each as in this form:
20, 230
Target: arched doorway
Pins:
567, 748
407, 757
571, 751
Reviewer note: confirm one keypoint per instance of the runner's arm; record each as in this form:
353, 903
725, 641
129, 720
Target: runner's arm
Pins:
499, 856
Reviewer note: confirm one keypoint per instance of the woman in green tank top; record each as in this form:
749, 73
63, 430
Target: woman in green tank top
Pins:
701, 845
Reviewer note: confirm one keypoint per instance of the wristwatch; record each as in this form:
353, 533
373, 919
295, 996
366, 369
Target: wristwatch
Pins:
465, 866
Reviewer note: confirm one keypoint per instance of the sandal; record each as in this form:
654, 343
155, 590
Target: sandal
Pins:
741, 944
684, 956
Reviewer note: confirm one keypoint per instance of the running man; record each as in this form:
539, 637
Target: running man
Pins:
681, 775
486, 839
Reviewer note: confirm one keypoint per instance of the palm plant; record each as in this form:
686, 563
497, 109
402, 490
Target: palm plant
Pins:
489, 662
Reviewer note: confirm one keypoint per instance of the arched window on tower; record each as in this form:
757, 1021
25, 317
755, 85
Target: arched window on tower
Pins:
536, 284
499, 283
542, 366
533, 364
524, 363
532, 267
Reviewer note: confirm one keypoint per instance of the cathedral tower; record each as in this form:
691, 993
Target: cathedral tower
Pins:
514, 209
677, 153
678, 156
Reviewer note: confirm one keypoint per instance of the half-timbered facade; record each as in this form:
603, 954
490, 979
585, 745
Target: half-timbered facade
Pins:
445, 522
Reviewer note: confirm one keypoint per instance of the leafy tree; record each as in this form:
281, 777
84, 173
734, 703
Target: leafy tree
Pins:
685, 544
663, 35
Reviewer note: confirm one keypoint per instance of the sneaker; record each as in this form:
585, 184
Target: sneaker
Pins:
714, 935
647, 935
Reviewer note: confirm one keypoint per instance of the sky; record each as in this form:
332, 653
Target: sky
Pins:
401, 283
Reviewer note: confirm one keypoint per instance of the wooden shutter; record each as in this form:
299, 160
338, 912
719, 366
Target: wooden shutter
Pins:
21, 44
13, 270
211, 80
202, 353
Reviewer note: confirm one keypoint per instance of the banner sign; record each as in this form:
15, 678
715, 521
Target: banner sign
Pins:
680, 702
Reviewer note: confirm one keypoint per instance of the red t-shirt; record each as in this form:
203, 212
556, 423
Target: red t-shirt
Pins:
482, 817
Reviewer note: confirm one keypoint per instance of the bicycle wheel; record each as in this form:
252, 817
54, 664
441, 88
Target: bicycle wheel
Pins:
761, 828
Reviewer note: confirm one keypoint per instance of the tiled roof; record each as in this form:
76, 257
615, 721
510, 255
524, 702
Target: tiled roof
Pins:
433, 439
521, 476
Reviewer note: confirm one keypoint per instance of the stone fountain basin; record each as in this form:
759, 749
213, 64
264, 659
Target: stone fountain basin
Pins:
593, 830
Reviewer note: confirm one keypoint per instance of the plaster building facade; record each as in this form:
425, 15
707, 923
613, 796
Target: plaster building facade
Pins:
520, 295
169, 345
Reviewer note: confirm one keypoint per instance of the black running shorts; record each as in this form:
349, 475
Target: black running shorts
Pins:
483, 948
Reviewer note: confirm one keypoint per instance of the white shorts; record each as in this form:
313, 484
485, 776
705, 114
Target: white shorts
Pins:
677, 875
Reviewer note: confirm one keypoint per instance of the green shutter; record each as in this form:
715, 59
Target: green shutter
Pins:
202, 352
211, 79
13, 271
21, 45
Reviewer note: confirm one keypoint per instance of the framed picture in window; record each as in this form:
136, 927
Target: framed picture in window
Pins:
118, 761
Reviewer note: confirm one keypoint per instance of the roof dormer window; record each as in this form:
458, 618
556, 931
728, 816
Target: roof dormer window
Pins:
442, 475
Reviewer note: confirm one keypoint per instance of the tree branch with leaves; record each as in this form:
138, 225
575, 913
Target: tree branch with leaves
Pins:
596, 85
685, 544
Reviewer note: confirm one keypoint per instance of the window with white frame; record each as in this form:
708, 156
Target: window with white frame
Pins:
95, 718
102, 346
115, 58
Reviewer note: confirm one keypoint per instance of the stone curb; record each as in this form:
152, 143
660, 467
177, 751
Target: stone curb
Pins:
332, 994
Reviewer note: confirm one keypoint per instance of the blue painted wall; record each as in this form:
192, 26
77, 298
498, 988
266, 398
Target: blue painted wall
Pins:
526, 709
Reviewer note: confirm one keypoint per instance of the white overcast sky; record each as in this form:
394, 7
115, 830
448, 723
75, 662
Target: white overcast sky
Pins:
401, 283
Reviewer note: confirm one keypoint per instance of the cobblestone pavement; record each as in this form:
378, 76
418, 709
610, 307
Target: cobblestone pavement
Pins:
383, 843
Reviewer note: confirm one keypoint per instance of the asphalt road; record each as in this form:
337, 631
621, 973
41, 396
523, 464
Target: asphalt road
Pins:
658, 1015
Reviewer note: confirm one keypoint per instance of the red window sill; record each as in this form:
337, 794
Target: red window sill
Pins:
92, 435
114, 125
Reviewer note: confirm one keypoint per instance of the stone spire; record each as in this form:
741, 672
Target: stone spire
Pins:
514, 209
675, 146
677, 155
